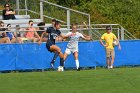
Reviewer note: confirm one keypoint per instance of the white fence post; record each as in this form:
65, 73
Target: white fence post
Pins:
41, 10
26, 7
118, 34
68, 19
122, 33
17, 6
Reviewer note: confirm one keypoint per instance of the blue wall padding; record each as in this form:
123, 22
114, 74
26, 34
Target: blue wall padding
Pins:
34, 56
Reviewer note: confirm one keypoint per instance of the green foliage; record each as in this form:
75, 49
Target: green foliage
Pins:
71, 3
123, 12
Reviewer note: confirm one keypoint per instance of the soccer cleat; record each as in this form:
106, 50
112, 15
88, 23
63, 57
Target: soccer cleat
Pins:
60, 69
79, 69
108, 67
111, 67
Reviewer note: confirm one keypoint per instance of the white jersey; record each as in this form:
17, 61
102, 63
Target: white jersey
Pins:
74, 38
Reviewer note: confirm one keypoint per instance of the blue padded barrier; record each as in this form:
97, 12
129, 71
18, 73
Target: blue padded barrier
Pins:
33, 56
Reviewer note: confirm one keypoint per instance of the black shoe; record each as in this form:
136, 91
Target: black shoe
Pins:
79, 69
52, 65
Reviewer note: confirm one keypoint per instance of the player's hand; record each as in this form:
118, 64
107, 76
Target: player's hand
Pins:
105, 45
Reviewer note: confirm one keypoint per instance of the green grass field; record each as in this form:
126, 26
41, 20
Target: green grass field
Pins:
118, 80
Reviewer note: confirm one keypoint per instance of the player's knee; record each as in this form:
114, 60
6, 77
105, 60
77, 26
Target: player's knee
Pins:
58, 50
76, 58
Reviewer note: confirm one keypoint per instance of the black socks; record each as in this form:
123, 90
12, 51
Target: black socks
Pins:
61, 62
54, 57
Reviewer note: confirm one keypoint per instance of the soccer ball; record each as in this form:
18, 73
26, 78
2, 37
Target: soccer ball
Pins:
60, 69
115, 43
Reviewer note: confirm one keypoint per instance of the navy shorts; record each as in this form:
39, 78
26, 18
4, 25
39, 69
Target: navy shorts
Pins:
48, 44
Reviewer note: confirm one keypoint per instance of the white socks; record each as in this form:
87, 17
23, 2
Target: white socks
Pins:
77, 63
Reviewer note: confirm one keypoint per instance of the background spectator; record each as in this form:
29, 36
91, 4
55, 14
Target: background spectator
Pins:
8, 13
31, 33
20, 31
20, 34
1, 28
3, 38
9, 34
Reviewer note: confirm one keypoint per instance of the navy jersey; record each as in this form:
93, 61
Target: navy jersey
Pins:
53, 33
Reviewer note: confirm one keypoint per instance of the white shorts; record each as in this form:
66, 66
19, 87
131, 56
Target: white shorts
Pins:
69, 50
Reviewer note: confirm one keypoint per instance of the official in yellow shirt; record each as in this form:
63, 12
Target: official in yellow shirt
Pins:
109, 37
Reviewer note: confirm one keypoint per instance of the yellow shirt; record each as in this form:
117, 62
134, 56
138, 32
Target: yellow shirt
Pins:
109, 37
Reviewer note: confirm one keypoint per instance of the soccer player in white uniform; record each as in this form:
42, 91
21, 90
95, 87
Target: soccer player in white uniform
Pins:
72, 45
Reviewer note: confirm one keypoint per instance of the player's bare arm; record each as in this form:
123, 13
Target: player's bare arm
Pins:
102, 43
64, 36
42, 37
87, 38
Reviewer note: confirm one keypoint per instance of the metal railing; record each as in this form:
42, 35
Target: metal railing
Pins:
68, 12
119, 31
15, 32
43, 15
96, 31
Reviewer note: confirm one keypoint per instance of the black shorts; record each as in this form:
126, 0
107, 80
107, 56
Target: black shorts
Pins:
48, 44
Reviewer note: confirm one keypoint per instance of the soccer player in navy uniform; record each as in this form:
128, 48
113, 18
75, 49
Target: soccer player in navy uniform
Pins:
52, 33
